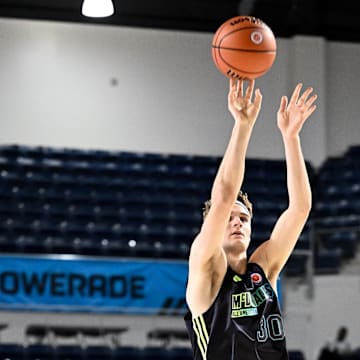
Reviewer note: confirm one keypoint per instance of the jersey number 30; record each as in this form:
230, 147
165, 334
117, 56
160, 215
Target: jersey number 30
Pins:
271, 327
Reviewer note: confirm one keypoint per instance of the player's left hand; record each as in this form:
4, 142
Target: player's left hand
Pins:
292, 114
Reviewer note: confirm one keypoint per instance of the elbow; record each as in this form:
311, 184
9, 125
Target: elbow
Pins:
301, 210
302, 205
305, 213
307, 206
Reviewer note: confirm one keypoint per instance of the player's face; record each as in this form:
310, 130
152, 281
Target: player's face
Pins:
239, 229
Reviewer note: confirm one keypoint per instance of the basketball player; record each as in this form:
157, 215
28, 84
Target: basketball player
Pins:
233, 307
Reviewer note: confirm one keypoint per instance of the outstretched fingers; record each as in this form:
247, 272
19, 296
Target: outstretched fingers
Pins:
283, 104
310, 110
257, 99
237, 89
303, 98
295, 95
232, 85
310, 101
249, 90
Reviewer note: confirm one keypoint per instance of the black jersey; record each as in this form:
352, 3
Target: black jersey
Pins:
243, 323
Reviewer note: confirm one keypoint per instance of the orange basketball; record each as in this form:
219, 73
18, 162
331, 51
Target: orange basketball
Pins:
244, 47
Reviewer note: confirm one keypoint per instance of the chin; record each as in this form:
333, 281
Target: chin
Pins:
238, 247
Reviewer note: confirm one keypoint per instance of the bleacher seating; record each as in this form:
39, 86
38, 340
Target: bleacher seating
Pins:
113, 203
99, 352
126, 352
296, 355
69, 352
39, 352
109, 203
11, 351
53, 335
336, 214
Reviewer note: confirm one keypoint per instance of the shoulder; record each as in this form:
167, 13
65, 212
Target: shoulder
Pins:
204, 283
256, 268
260, 258
258, 275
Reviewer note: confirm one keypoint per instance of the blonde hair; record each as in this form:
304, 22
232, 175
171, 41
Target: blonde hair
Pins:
242, 197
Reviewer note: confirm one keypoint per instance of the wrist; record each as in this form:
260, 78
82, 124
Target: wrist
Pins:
290, 137
242, 132
244, 126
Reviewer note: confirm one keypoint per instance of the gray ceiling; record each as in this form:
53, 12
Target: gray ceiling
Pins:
326, 18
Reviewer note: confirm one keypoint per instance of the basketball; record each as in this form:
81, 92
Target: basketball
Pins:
243, 47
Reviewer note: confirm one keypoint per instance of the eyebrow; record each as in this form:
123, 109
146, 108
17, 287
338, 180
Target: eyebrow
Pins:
240, 213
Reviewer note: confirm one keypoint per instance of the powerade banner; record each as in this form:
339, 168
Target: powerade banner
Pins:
93, 285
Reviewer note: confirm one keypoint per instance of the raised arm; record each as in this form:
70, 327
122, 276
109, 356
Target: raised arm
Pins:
206, 256
273, 254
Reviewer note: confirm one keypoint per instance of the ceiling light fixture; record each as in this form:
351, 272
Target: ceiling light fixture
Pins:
97, 8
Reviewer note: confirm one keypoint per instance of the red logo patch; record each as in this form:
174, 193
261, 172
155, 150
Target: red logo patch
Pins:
256, 278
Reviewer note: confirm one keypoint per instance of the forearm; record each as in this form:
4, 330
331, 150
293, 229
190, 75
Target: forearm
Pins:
230, 175
298, 184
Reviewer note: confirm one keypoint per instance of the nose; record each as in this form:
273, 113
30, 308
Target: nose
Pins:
237, 221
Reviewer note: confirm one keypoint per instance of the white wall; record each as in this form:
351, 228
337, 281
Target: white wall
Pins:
343, 89
56, 89
310, 324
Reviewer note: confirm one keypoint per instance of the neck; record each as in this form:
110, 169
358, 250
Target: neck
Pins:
237, 262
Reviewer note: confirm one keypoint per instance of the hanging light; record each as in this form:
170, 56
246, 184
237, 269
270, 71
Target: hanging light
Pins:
97, 8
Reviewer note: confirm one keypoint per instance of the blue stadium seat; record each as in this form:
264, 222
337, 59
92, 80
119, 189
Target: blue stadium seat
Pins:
344, 241
85, 246
303, 242
69, 352
353, 152
346, 207
57, 245
354, 189
126, 353
325, 207
39, 352
264, 205
11, 351
337, 221
29, 244
181, 233
328, 262
7, 244
98, 352
141, 248
180, 353
171, 250
296, 355
115, 247
154, 353
296, 265
15, 151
